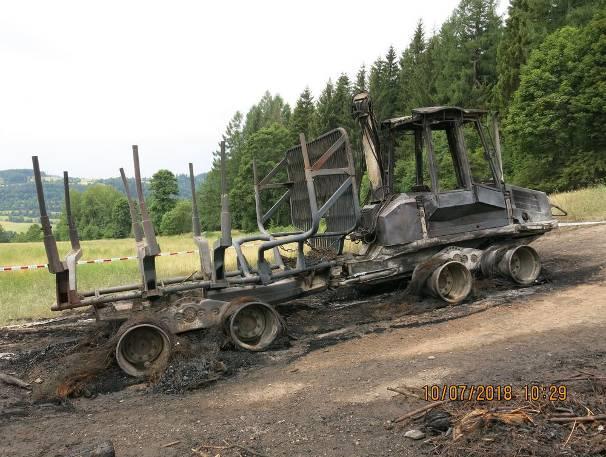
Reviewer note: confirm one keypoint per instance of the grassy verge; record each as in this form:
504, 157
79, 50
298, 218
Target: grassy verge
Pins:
582, 205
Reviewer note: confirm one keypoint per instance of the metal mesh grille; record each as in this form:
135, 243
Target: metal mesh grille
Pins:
525, 200
341, 216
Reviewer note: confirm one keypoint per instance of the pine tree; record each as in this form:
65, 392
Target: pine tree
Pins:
384, 85
267, 147
233, 132
415, 77
376, 78
304, 116
360, 85
389, 99
466, 55
270, 110
512, 52
342, 104
325, 108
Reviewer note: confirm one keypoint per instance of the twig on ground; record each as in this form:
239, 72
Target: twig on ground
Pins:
419, 411
172, 443
405, 392
8, 379
574, 425
568, 411
563, 420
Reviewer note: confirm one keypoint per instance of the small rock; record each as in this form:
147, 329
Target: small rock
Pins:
38, 381
431, 357
600, 428
414, 434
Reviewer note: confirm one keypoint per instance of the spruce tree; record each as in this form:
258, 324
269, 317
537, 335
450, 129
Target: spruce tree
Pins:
342, 104
466, 55
360, 85
304, 116
415, 76
325, 108
512, 52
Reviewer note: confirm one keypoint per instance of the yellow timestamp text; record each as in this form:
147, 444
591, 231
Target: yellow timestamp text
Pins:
495, 392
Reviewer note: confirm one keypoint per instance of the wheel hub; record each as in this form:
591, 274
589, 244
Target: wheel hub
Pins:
515, 265
142, 346
250, 324
445, 282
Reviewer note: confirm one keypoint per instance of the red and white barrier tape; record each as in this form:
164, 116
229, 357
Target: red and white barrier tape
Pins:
84, 262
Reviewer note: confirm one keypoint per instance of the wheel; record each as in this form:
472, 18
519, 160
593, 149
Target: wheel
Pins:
523, 264
451, 282
144, 346
254, 326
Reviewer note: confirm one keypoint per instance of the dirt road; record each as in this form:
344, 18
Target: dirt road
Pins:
332, 399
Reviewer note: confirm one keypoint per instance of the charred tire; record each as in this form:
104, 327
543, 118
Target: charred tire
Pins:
451, 282
143, 347
253, 326
522, 264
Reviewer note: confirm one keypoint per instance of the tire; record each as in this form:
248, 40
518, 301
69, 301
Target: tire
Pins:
143, 346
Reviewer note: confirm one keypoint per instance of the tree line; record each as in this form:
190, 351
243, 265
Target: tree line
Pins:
102, 211
19, 203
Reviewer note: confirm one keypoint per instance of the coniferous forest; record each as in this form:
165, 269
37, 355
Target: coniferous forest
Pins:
542, 68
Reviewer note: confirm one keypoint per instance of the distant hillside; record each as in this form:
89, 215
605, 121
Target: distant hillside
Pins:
18, 192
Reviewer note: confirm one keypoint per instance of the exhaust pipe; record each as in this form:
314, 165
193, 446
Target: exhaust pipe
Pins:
253, 326
521, 264
451, 282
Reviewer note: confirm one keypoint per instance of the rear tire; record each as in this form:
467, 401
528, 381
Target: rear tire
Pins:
253, 325
451, 282
143, 346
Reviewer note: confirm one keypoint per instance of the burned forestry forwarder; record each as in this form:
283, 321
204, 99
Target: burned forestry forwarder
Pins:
449, 226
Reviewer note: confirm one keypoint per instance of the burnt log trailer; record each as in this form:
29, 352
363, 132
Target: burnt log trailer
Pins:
438, 234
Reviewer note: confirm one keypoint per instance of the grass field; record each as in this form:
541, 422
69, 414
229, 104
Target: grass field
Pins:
582, 205
19, 227
29, 294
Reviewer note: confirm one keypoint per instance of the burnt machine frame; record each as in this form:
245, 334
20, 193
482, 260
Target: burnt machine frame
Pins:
212, 279
435, 238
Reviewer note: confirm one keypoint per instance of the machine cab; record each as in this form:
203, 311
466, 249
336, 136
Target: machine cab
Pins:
457, 178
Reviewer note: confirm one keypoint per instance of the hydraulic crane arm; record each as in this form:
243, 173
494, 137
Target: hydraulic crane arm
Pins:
362, 112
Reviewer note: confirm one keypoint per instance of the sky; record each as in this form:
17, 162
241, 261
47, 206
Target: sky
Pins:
82, 81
